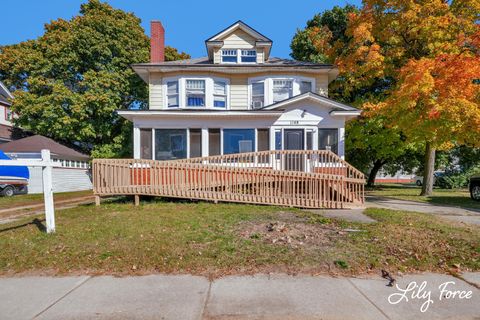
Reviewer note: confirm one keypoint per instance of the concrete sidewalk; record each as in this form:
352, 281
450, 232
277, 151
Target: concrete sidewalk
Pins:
235, 297
470, 216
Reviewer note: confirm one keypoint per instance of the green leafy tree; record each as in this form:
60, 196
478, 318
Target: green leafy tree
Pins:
330, 26
69, 82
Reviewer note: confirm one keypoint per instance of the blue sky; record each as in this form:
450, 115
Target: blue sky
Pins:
187, 23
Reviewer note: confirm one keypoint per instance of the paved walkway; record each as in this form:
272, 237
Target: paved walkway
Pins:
235, 297
354, 215
471, 216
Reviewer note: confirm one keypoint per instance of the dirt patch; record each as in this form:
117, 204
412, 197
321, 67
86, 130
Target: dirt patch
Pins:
292, 231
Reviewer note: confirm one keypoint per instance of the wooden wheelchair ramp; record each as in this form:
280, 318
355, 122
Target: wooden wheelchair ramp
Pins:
296, 178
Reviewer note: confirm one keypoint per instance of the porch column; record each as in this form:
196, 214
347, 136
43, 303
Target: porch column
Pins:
205, 146
341, 142
136, 142
272, 138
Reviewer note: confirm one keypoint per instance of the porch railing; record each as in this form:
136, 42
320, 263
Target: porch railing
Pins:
310, 179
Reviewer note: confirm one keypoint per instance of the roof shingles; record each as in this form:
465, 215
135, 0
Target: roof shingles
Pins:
36, 143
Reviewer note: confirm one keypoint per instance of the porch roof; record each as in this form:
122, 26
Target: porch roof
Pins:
339, 109
208, 113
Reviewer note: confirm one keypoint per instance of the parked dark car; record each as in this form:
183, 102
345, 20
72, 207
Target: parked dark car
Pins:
474, 187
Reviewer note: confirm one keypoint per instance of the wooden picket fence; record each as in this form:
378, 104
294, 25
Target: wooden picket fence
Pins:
296, 178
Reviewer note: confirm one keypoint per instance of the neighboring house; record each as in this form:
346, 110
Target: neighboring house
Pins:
6, 125
236, 99
73, 173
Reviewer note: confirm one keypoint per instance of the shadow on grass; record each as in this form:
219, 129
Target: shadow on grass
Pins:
37, 222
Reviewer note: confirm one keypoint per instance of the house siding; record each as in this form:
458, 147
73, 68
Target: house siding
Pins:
63, 180
238, 97
321, 83
239, 92
155, 91
239, 39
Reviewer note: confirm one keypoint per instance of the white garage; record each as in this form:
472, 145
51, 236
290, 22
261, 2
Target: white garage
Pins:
73, 174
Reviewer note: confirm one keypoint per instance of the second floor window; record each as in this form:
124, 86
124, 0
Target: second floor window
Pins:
258, 95
282, 89
172, 94
195, 93
219, 94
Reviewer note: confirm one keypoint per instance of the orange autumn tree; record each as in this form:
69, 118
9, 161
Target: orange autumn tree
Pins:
426, 55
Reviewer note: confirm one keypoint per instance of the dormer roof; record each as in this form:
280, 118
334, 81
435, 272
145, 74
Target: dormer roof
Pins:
217, 39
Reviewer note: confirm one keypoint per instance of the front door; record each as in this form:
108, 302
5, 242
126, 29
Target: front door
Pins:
293, 140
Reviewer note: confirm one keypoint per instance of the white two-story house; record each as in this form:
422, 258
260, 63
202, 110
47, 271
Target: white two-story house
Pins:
236, 99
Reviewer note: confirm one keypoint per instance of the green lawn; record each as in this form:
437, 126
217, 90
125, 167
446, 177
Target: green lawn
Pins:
218, 239
31, 199
452, 197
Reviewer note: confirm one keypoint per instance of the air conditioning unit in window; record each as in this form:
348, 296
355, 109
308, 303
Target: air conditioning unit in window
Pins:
257, 104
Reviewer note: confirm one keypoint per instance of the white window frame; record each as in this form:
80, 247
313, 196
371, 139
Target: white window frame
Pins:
283, 80
204, 93
225, 95
268, 86
236, 51
209, 92
239, 55
177, 94
250, 97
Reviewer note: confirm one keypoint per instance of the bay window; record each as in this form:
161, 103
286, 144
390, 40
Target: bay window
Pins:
219, 94
238, 140
172, 94
195, 93
258, 94
265, 91
282, 90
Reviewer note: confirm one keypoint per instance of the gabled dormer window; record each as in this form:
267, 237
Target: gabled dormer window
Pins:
248, 56
239, 56
229, 56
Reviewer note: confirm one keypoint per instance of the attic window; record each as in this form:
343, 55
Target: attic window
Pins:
239, 56
249, 56
229, 56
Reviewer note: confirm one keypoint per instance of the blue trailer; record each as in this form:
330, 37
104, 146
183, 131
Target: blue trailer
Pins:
13, 179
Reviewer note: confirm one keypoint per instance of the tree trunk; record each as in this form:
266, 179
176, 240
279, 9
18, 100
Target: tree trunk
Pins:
427, 186
377, 165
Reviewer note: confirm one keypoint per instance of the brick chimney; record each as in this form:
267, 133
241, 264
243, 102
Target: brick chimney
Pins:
157, 42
